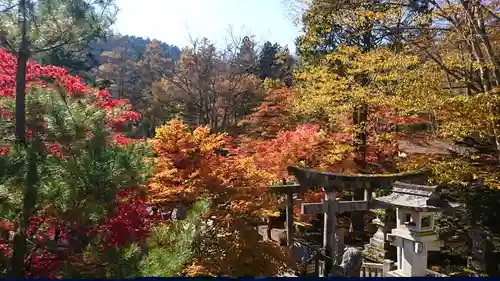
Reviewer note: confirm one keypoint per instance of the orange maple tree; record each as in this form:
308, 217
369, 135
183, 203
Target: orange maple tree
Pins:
271, 116
191, 166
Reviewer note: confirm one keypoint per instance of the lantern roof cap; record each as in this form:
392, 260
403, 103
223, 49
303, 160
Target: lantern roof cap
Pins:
421, 198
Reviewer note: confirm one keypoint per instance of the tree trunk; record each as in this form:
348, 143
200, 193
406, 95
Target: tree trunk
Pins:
22, 59
360, 117
17, 268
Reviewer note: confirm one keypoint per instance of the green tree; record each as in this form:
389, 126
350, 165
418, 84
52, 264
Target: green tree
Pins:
81, 166
267, 58
275, 62
171, 245
327, 24
77, 60
30, 28
246, 56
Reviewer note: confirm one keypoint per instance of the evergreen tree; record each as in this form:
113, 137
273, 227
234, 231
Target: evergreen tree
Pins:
78, 61
172, 244
267, 59
82, 187
246, 58
275, 62
35, 28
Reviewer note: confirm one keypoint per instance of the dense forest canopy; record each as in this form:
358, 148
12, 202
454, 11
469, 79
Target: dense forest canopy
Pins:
125, 157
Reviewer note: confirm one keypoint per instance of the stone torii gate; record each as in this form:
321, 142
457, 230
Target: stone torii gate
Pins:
331, 207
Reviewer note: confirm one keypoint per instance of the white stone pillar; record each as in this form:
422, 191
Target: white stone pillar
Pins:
400, 258
414, 258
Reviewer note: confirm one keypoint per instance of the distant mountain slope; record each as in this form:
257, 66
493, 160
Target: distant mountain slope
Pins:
133, 47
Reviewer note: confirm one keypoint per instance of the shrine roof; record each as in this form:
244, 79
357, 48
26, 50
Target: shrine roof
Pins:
419, 197
309, 179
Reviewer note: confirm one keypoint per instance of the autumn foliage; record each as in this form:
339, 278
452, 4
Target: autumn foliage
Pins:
359, 90
89, 191
192, 166
272, 115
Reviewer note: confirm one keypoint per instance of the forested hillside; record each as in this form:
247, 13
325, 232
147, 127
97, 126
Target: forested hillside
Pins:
124, 157
86, 59
134, 46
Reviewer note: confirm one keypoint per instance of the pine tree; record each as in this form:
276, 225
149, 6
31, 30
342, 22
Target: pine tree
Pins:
172, 244
275, 62
246, 58
89, 175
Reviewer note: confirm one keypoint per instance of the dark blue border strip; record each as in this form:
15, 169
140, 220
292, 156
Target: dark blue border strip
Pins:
285, 278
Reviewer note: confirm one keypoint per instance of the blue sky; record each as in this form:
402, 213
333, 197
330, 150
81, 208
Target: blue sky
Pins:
170, 20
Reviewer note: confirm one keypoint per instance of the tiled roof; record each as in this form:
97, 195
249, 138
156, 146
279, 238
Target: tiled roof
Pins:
424, 146
415, 196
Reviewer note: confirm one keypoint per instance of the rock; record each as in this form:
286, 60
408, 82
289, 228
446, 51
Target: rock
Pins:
351, 262
179, 213
350, 266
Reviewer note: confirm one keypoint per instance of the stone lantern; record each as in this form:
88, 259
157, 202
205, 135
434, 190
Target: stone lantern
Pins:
414, 235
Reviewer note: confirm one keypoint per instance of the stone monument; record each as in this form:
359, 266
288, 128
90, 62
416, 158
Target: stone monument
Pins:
379, 249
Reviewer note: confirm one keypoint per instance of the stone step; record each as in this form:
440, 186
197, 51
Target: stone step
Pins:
277, 234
